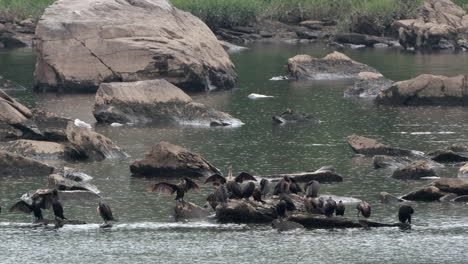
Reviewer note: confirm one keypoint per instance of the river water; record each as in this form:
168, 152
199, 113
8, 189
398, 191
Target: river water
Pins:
146, 231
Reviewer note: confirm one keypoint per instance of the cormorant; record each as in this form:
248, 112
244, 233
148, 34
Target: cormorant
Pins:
287, 185
312, 188
281, 209
364, 209
264, 187
232, 184
41, 199
184, 186
219, 196
257, 195
340, 208
290, 206
105, 212
311, 206
329, 207
248, 190
404, 213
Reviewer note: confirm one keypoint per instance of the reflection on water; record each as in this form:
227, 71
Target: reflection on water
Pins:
146, 231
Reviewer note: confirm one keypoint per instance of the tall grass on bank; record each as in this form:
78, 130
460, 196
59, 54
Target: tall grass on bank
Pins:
22, 9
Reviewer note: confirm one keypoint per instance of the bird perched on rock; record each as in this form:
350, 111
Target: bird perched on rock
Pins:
287, 185
248, 190
311, 206
404, 213
105, 212
280, 209
264, 187
232, 184
364, 209
312, 188
40, 199
329, 207
340, 209
219, 196
257, 195
184, 186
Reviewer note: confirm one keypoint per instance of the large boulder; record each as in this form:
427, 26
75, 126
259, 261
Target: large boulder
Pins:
455, 153
81, 44
440, 24
89, 145
16, 165
155, 101
427, 89
414, 171
43, 150
445, 189
368, 85
371, 147
427, 194
452, 185
166, 160
12, 112
333, 66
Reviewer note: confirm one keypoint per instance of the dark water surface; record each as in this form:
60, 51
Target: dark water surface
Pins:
146, 231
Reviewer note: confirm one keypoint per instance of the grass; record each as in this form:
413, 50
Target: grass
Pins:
22, 9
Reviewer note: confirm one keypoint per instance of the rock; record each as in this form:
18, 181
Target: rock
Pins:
322, 176
186, 211
385, 197
7, 85
440, 24
42, 150
166, 160
427, 89
414, 171
61, 183
448, 156
305, 34
285, 225
463, 171
155, 101
12, 112
370, 147
291, 116
51, 126
391, 162
357, 39
333, 66
232, 48
323, 222
428, 194
26, 23
241, 211
312, 24
368, 85
89, 145
452, 185
127, 41
8, 132
16, 165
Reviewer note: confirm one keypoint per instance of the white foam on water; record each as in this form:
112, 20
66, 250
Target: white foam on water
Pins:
430, 178
234, 122
80, 123
279, 78
115, 124
258, 96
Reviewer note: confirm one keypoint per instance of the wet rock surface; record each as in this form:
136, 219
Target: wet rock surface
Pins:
371, 147
16, 165
368, 85
414, 171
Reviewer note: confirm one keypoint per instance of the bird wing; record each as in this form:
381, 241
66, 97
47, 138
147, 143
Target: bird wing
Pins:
163, 187
215, 178
21, 206
190, 185
244, 176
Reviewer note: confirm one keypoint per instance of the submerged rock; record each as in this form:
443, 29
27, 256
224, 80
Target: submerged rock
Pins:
186, 211
89, 145
440, 24
386, 197
154, 101
368, 85
285, 225
333, 66
110, 41
414, 171
42, 150
291, 116
371, 147
322, 176
323, 222
241, 211
12, 164
391, 162
427, 89
448, 155
166, 160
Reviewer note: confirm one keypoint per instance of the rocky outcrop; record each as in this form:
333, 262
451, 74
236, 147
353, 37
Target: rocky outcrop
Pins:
322, 176
440, 24
166, 160
187, 211
291, 116
333, 66
386, 197
125, 41
390, 162
414, 171
323, 222
428, 194
42, 150
368, 85
362, 39
427, 89
452, 154
371, 147
92, 146
16, 165
452, 185
155, 101
12, 112
445, 189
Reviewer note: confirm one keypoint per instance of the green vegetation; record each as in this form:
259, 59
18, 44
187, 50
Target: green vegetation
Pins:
22, 9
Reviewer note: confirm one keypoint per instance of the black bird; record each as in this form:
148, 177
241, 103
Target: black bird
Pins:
105, 212
58, 210
329, 207
404, 213
219, 196
290, 206
257, 195
287, 185
312, 188
264, 187
34, 203
183, 187
340, 208
311, 206
248, 190
364, 209
281, 209
232, 184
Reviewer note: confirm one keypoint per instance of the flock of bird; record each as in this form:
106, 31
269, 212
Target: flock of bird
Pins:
228, 188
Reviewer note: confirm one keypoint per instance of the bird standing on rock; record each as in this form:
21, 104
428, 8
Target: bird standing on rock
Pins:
364, 209
312, 188
404, 213
232, 184
105, 212
264, 187
257, 195
340, 209
183, 187
329, 207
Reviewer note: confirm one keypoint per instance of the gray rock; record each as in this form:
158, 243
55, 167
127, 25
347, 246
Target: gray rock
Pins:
414, 171
386, 197
368, 85
291, 116
17, 165
371, 147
